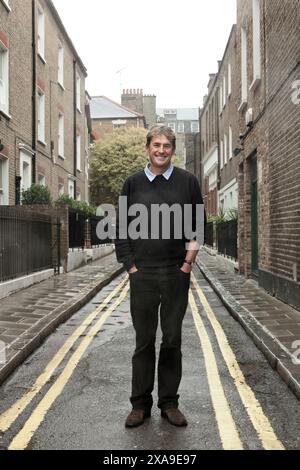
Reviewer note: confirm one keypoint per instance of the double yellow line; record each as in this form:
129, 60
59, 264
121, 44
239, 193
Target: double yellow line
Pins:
228, 432
22, 439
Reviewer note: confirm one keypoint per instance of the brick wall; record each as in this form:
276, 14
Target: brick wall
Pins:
102, 127
16, 128
228, 114
275, 139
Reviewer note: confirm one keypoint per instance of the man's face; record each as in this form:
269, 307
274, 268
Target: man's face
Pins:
160, 153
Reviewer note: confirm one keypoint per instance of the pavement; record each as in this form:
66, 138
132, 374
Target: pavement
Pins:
29, 316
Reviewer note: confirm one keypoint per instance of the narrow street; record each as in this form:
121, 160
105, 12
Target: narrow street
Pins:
72, 393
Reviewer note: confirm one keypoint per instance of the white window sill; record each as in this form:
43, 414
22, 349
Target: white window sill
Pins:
242, 106
42, 143
5, 113
255, 83
6, 5
79, 110
61, 86
61, 157
42, 58
79, 170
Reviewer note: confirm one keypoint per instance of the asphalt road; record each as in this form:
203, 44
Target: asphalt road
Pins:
72, 393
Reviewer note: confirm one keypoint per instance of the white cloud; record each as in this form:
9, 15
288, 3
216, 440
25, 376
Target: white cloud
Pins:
166, 47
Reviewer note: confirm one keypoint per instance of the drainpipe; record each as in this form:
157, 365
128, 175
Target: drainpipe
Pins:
74, 124
34, 91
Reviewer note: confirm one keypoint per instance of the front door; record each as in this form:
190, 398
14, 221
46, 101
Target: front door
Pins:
254, 224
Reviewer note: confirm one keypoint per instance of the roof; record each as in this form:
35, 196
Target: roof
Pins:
104, 108
183, 114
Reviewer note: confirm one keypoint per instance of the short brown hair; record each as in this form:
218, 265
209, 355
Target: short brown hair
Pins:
161, 130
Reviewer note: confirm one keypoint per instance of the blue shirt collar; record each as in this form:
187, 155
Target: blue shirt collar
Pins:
151, 176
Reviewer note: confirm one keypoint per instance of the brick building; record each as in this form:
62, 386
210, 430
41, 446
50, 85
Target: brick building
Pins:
209, 133
135, 100
228, 127
43, 103
183, 121
269, 120
106, 115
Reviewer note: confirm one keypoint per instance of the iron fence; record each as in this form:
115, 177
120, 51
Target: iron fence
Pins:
94, 220
25, 242
77, 227
209, 234
227, 238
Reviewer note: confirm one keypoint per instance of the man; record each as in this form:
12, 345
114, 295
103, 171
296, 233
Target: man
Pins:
159, 271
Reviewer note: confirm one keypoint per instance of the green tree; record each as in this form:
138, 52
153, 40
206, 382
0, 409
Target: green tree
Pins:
113, 159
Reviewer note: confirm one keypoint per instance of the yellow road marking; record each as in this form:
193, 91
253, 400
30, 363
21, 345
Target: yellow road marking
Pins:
22, 439
8, 417
227, 429
259, 420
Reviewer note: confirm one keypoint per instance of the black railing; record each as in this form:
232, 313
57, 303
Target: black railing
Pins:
77, 227
25, 242
209, 234
227, 238
94, 220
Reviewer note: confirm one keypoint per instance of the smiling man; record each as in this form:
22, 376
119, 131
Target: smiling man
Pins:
159, 271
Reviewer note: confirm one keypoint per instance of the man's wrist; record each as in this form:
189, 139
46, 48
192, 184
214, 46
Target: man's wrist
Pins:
186, 261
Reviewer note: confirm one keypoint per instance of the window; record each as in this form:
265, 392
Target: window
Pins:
180, 127
41, 32
60, 76
256, 43
78, 152
221, 154
194, 127
230, 142
229, 80
3, 181
4, 94
172, 126
61, 135
244, 75
25, 170
41, 116
220, 98
224, 91
78, 92
71, 188
41, 180
225, 149
61, 189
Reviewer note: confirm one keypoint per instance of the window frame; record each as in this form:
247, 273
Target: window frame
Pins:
78, 92
41, 113
61, 136
78, 151
60, 65
4, 180
4, 64
41, 32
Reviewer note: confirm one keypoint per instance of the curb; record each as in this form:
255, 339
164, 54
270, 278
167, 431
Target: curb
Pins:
60, 314
276, 354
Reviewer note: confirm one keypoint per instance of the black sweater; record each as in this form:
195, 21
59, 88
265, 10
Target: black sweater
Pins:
181, 188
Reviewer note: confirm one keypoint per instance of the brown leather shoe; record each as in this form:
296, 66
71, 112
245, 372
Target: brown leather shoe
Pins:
136, 418
174, 416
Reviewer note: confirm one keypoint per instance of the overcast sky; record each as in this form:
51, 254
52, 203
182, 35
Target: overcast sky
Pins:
165, 47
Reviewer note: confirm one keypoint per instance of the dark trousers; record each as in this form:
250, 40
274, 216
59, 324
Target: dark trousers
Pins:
166, 288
